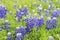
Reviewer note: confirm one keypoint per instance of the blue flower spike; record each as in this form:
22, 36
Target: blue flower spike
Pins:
54, 22
3, 11
25, 10
41, 21
9, 36
14, 6
50, 6
48, 23
18, 15
6, 25
23, 31
19, 36
29, 23
55, 13
20, 8
17, 30
46, 12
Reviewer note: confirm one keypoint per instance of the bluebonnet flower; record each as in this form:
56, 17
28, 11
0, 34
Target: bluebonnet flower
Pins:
28, 29
51, 38
17, 30
39, 22
3, 11
23, 31
17, 19
51, 23
46, 12
21, 11
18, 15
48, 23
55, 14
6, 25
29, 24
20, 8
50, 6
9, 36
25, 10
14, 6
19, 36
20, 30
54, 22
20, 33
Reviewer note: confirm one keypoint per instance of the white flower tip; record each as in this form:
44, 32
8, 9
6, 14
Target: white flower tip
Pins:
35, 14
51, 38
39, 18
18, 34
14, 4
54, 10
45, 9
42, 16
10, 11
2, 19
34, 3
25, 5
9, 33
29, 16
40, 8
18, 10
17, 27
24, 17
49, 6
49, 18
54, 17
2, 5
22, 12
6, 20
58, 8
21, 26
40, 5
33, 10
20, 6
